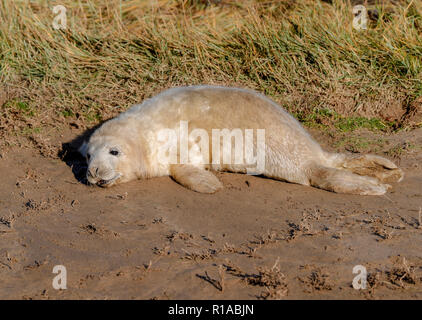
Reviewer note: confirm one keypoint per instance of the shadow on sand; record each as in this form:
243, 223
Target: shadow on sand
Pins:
70, 155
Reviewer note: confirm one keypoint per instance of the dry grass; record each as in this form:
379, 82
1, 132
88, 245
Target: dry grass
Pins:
317, 280
219, 284
272, 279
207, 254
402, 274
305, 54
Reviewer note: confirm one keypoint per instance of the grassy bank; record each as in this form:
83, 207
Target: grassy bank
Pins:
304, 54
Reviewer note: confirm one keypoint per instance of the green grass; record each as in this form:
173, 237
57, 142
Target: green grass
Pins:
28, 131
304, 54
67, 113
360, 144
326, 118
353, 123
21, 107
402, 149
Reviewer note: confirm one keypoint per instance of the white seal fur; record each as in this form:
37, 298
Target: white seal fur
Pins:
126, 147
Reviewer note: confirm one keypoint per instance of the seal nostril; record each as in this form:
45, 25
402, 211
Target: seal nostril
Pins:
96, 171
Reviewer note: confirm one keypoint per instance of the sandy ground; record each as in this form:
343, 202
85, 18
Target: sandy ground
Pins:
256, 239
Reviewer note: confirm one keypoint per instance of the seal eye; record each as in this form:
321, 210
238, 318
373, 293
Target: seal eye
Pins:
88, 156
114, 152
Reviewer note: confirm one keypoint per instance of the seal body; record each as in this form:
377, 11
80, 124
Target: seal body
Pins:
131, 145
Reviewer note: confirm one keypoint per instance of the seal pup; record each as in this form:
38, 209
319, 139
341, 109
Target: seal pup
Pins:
129, 146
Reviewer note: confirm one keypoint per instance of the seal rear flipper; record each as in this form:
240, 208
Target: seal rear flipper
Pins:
343, 181
374, 166
195, 178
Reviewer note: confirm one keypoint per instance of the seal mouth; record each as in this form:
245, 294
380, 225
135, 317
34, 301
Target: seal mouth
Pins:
109, 182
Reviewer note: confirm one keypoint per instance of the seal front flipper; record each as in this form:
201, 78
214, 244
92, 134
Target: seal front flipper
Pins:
195, 178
